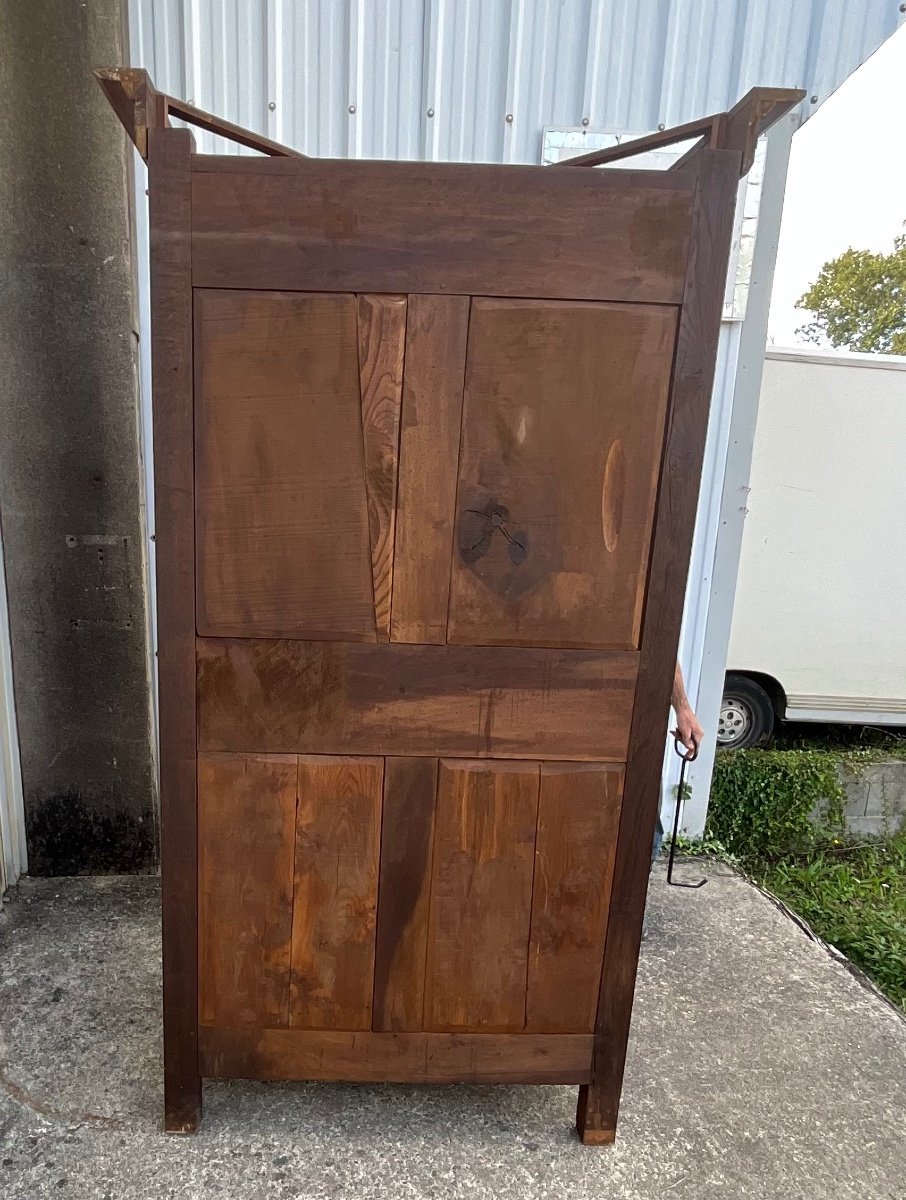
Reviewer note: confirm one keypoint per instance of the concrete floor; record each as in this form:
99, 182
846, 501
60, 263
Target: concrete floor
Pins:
759, 1067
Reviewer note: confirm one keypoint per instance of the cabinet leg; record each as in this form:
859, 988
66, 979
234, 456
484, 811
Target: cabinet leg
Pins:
596, 1120
182, 1104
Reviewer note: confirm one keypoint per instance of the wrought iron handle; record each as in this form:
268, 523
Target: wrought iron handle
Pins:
687, 756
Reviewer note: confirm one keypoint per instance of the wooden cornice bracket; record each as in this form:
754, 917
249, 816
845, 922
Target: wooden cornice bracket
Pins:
738, 129
140, 106
741, 127
135, 101
754, 115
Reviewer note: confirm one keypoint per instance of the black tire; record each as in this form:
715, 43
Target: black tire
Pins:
746, 714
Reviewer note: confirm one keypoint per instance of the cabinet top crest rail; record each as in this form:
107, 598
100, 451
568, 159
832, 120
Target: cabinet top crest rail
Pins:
140, 107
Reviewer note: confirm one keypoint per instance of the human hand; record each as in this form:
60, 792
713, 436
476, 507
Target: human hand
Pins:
688, 728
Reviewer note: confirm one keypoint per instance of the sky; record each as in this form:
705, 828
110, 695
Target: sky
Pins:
846, 184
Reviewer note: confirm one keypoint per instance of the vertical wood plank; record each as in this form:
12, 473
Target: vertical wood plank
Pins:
562, 435
382, 340
169, 189
247, 820
283, 546
436, 335
578, 815
338, 831
407, 835
481, 896
687, 423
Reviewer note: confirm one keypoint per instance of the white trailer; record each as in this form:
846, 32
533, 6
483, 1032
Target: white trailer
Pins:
819, 624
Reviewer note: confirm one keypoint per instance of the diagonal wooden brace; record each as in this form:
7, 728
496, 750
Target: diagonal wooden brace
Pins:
140, 107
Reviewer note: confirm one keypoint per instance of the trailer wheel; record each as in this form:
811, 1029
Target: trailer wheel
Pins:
746, 714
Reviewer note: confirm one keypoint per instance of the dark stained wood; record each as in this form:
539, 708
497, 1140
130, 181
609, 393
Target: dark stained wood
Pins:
738, 129
407, 837
469, 952
246, 827
741, 127
281, 502
226, 129
334, 698
438, 227
171, 364
677, 496
338, 832
578, 816
436, 335
140, 107
135, 101
641, 145
395, 1057
382, 343
481, 896
752, 116
562, 432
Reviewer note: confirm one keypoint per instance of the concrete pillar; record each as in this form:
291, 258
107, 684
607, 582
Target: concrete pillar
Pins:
70, 464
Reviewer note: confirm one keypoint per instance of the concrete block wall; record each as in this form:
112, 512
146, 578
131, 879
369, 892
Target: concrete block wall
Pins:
875, 797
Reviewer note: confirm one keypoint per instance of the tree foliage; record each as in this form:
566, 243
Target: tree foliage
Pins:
858, 302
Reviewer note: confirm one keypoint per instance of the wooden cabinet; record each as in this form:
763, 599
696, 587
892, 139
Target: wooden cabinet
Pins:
427, 447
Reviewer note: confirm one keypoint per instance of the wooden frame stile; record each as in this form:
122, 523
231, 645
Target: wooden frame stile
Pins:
687, 424
169, 169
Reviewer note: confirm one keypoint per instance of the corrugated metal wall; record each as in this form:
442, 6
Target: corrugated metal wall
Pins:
480, 80
477, 80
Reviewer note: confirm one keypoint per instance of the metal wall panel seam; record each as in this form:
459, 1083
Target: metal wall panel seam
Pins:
275, 40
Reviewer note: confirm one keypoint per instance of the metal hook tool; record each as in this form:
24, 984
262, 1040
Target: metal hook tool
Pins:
687, 757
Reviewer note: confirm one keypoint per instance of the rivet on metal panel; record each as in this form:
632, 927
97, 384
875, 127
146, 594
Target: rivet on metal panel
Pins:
661, 127
430, 112
272, 106
586, 121
352, 109
509, 118
814, 99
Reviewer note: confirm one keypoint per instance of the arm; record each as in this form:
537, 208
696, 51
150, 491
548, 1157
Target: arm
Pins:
687, 724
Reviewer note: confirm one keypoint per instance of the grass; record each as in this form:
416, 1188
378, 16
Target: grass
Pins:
778, 815
853, 896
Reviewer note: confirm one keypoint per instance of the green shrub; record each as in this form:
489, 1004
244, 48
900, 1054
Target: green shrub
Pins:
762, 801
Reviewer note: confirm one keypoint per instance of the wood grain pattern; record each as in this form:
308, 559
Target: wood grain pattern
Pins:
481, 896
407, 836
612, 495
337, 843
246, 819
432, 409
550, 388
284, 697
382, 341
281, 503
169, 152
696, 354
395, 1057
374, 227
578, 816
